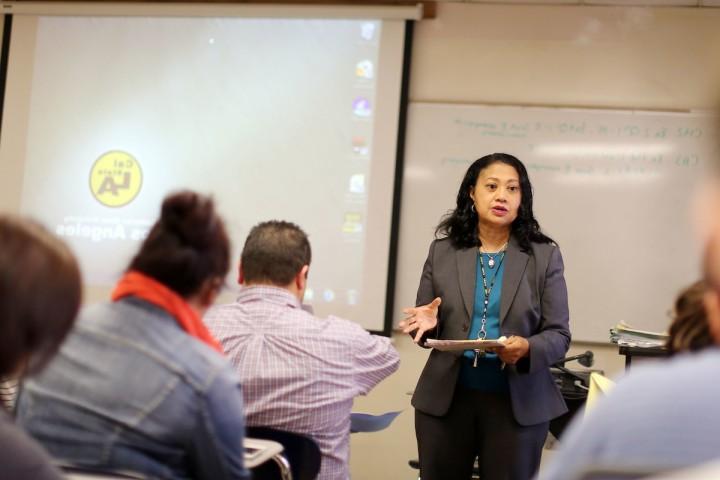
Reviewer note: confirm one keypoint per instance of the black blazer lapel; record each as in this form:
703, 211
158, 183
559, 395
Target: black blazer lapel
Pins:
515, 263
467, 265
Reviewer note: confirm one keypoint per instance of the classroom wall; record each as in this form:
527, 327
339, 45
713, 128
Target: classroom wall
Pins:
582, 56
575, 56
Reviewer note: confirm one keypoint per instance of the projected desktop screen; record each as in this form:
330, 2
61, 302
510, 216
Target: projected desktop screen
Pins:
290, 119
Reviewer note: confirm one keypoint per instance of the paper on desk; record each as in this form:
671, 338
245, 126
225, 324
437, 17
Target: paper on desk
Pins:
454, 345
625, 335
364, 422
624, 327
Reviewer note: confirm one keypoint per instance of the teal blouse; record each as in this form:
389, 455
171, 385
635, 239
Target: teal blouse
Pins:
487, 376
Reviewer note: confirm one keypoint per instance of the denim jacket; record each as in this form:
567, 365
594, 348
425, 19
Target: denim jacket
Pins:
130, 390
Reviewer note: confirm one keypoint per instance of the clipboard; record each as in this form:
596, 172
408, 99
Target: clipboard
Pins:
455, 345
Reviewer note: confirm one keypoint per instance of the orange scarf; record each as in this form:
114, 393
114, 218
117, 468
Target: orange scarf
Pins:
136, 284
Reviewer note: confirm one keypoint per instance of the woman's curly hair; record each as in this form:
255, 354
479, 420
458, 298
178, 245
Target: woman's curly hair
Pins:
460, 225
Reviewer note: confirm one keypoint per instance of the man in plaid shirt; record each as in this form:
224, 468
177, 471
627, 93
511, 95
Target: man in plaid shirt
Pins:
299, 373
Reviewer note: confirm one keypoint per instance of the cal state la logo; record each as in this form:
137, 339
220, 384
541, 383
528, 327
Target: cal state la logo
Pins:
115, 178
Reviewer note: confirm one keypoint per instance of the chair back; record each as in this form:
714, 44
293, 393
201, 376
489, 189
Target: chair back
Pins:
302, 452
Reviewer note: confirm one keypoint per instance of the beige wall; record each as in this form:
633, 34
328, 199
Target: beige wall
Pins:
608, 57
647, 58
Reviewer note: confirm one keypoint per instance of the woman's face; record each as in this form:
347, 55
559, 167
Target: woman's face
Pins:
496, 194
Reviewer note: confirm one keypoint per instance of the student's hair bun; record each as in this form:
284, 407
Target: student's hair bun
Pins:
187, 245
191, 217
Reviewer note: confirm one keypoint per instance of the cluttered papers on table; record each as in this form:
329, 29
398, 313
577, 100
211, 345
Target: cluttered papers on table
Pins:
625, 335
454, 345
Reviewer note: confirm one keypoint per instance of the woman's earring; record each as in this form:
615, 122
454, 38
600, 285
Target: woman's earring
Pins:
472, 207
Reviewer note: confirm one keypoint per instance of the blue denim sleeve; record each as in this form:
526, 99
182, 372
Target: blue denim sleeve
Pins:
217, 449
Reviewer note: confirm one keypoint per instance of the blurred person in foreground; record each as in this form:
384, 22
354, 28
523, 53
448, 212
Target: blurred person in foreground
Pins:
662, 416
40, 293
689, 330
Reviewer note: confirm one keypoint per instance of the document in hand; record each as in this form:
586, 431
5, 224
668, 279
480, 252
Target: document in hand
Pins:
454, 345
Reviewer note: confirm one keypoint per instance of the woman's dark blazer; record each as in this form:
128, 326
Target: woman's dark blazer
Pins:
533, 304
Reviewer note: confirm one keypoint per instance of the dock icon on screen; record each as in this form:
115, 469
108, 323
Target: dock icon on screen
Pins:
367, 31
364, 69
361, 107
352, 223
357, 183
360, 146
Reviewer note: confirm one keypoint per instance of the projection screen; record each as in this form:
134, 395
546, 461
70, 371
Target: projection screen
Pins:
276, 117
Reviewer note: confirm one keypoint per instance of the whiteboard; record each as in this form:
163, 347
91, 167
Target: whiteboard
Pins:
613, 188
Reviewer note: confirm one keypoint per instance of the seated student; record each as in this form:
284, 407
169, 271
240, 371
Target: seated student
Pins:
661, 416
141, 385
40, 291
689, 329
299, 372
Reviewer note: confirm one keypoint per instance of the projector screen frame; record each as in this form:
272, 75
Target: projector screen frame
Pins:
397, 186
196, 9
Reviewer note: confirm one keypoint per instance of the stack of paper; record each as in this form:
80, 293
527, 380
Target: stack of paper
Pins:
625, 335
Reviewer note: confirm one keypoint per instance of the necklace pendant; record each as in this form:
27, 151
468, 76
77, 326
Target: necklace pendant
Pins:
491, 262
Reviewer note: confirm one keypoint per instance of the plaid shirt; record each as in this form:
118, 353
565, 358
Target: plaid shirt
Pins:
300, 373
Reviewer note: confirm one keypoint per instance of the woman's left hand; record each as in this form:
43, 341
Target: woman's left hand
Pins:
515, 349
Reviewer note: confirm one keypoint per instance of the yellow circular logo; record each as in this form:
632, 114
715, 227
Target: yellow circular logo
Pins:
115, 178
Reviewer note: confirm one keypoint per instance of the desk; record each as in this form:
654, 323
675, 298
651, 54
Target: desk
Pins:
631, 352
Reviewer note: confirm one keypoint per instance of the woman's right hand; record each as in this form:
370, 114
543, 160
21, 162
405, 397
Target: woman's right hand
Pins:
421, 319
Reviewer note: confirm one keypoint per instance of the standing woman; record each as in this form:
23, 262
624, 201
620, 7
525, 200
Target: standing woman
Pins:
493, 273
